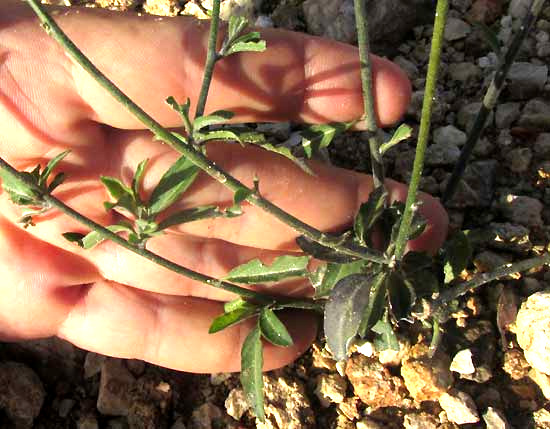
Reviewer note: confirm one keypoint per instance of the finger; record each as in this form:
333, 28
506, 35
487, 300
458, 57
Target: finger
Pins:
170, 331
299, 77
328, 201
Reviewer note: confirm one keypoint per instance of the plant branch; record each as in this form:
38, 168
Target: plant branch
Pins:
481, 279
362, 24
195, 156
153, 257
490, 99
431, 81
211, 58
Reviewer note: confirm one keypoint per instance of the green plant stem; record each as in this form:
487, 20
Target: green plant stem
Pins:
362, 24
481, 279
490, 99
54, 202
195, 156
211, 58
425, 122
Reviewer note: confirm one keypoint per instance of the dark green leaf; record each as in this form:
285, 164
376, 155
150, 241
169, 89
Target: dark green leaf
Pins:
385, 338
287, 153
344, 311
457, 255
368, 214
319, 136
251, 372
190, 215
50, 166
322, 252
418, 225
334, 273
402, 133
423, 282
58, 179
172, 185
374, 311
138, 177
232, 317
93, 238
216, 118
116, 188
402, 296
273, 329
256, 272
74, 237
241, 194
416, 261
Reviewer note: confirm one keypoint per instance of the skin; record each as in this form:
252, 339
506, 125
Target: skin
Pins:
108, 300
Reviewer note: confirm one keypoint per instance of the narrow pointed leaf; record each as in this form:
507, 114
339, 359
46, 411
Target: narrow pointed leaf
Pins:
138, 177
223, 134
320, 136
51, 165
20, 193
232, 317
287, 153
93, 238
116, 188
237, 46
215, 118
457, 255
402, 133
344, 311
236, 25
385, 338
256, 272
273, 330
334, 273
402, 296
251, 372
58, 179
172, 185
182, 109
376, 307
190, 215
322, 252
237, 304
369, 213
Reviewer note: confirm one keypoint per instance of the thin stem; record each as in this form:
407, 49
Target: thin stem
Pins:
481, 279
211, 58
490, 99
195, 156
423, 134
362, 24
153, 257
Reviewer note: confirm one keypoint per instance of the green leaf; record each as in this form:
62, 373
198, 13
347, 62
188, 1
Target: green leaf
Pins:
287, 153
116, 188
190, 215
273, 330
404, 132
374, 311
236, 26
181, 109
223, 134
385, 338
74, 237
368, 214
402, 296
251, 372
93, 238
216, 118
457, 254
334, 273
256, 272
230, 318
319, 136
423, 282
237, 304
324, 253
50, 166
172, 185
240, 46
58, 179
138, 177
344, 311
20, 193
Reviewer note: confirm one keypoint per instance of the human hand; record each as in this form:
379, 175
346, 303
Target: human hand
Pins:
107, 299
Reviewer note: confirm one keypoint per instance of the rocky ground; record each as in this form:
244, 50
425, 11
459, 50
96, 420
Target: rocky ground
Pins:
493, 369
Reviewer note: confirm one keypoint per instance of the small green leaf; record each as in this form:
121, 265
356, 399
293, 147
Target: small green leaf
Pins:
319, 136
251, 372
138, 177
216, 118
334, 273
457, 255
93, 238
74, 237
256, 272
423, 282
344, 311
190, 215
20, 193
404, 132
236, 26
368, 214
385, 338
172, 185
374, 311
237, 304
181, 109
241, 195
413, 262
241, 46
230, 318
402, 296
50, 166
58, 179
117, 189
287, 153
322, 252
273, 330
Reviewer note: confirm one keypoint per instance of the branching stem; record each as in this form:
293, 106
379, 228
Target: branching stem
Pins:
431, 81
195, 156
